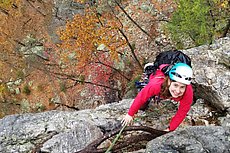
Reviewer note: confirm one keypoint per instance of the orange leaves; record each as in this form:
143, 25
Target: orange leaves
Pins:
222, 3
92, 40
86, 32
225, 4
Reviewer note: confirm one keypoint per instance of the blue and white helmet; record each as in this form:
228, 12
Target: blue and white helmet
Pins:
181, 72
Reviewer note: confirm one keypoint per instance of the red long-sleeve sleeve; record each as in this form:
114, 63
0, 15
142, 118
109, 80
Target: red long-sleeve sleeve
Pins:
151, 89
184, 107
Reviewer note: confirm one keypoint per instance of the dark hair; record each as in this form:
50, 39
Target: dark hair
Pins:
165, 88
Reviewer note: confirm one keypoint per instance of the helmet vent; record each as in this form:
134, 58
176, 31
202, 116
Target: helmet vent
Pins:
176, 74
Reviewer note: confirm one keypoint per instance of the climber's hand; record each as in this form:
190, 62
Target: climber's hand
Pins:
127, 120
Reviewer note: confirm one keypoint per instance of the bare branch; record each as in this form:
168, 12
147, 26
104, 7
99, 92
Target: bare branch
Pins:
4, 11
43, 14
152, 133
132, 19
114, 69
131, 47
77, 80
126, 38
99, 61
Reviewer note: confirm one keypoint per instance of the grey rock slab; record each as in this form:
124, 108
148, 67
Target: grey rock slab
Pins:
197, 139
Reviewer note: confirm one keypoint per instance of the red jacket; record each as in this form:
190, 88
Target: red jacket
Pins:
153, 89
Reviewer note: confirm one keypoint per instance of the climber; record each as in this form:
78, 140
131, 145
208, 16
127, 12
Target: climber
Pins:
174, 85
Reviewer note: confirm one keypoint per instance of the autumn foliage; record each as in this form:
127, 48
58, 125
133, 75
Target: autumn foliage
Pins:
85, 33
93, 43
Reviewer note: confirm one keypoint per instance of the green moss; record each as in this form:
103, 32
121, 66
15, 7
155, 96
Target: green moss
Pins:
26, 89
40, 107
63, 87
25, 106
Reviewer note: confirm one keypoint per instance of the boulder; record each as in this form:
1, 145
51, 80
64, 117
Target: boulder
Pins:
212, 73
71, 131
197, 139
58, 131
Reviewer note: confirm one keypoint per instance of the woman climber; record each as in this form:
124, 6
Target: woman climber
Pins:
174, 85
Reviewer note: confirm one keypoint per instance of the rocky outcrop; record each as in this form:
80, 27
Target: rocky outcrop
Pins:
71, 131
212, 73
58, 131
193, 140
62, 11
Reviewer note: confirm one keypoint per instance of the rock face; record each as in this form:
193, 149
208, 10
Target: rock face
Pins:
63, 10
193, 140
66, 131
58, 131
212, 73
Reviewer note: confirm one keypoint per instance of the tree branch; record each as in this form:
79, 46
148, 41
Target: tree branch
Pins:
132, 19
131, 48
152, 133
114, 70
111, 68
44, 15
4, 11
126, 38
76, 80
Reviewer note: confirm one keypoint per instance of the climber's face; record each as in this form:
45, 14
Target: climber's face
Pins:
176, 89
